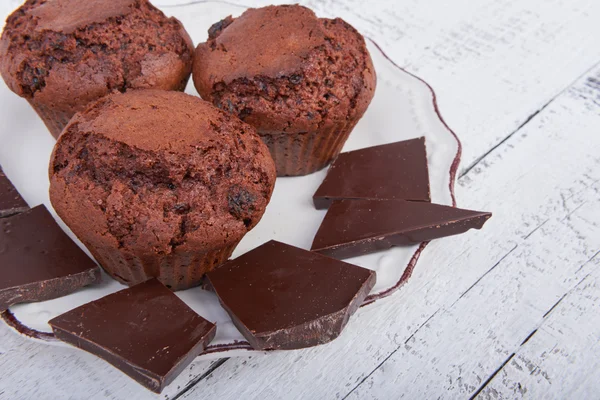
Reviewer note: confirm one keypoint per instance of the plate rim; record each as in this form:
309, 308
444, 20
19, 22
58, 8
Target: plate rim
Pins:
10, 319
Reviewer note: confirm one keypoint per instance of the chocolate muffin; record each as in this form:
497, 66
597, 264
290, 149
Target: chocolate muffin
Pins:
61, 55
302, 81
159, 184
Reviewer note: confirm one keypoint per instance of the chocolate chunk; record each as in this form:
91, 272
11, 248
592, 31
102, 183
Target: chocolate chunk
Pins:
38, 261
146, 331
11, 202
283, 297
241, 202
216, 29
356, 227
390, 171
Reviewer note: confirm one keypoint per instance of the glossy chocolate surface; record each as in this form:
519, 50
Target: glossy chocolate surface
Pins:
11, 201
390, 171
356, 227
38, 261
283, 297
146, 331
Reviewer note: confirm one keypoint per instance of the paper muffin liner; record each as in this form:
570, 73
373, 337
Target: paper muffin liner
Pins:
304, 153
55, 120
178, 271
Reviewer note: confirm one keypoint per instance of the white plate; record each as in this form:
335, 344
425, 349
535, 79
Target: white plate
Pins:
404, 107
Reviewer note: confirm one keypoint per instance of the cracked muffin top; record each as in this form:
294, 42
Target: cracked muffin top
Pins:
282, 69
155, 170
73, 52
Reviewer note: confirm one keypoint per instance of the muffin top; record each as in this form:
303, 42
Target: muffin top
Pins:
282, 69
73, 51
153, 169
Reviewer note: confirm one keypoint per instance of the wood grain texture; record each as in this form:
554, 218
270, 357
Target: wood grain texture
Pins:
466, 343
562, 359
493, 63
458, 326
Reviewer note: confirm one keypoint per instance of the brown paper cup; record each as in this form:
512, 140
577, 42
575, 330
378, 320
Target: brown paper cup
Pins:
179, 270
304, 153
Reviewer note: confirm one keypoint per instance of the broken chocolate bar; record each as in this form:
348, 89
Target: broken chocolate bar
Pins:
390, 171
283, 297
146, 331
356, 227
38, 261
11, 202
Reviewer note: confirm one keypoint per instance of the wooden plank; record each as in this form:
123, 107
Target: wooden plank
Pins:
469, 340
562, 359
487, 291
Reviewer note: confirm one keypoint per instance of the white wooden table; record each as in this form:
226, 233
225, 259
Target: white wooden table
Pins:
510, 312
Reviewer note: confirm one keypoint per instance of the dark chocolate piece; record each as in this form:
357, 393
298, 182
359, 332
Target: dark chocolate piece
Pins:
11, 202
356, 227
38, 261
146, 331
283, 297
390, 171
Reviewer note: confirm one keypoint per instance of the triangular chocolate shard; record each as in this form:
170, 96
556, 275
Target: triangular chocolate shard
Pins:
356, 227
11, 202
283, 297
390, 171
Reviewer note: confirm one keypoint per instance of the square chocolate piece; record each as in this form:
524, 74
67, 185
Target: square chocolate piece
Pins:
11, 202
38, 261
283, 297
390, 171
146, 331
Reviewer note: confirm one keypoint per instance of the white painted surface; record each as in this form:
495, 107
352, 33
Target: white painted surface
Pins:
473, 300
